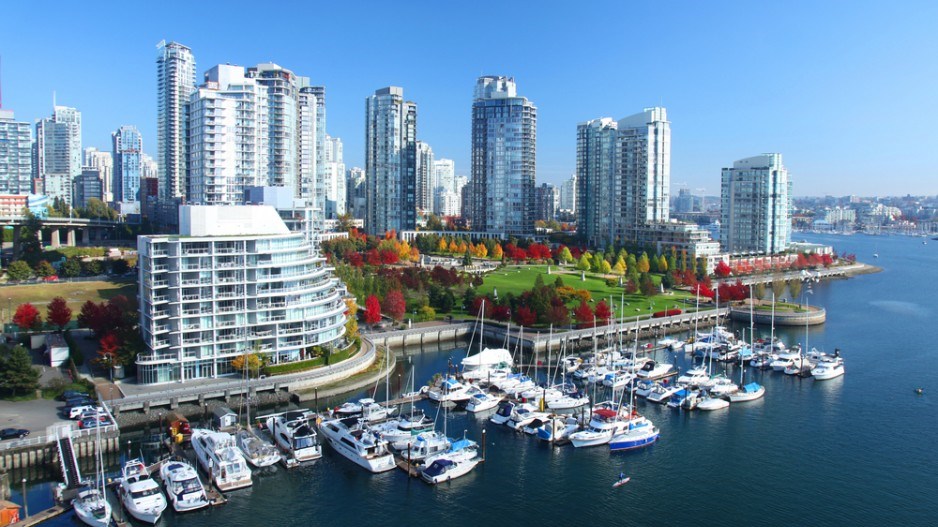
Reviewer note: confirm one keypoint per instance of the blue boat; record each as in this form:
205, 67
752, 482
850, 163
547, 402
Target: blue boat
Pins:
637, 436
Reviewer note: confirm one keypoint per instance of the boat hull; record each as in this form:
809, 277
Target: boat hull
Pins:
826, 375
635, 439
741, 397
460, 469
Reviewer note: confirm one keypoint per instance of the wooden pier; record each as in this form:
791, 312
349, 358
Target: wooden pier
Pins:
42, 516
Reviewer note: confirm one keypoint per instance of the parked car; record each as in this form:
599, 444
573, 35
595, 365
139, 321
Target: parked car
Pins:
78, 402
77, 412
13, 433
94, 412
71, 394
92, 422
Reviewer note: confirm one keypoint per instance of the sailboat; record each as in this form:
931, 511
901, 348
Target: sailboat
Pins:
639, 432
753, 390
91, 506
488, 360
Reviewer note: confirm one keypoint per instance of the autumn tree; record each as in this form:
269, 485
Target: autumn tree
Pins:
558, 315
722, 269
778, 288
583, 315
643, 264
372, 310
794, 286
758, 291
647, 285
27, 317
351, 323
498, 252
247, 361
565, 256
585, 263
59, 313
394, 305
44, 269
603, 313
525, 317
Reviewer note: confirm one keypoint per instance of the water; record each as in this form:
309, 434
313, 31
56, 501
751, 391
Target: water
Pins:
858, 450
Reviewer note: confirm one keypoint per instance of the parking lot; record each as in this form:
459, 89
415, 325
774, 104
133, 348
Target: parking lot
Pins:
35, 416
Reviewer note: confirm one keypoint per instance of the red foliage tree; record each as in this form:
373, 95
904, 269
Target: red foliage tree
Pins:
373, 258
722, 269
525, 317
91, 317
372, 310
538, 251
27, 316
690, 279
108, 347
389, 257
730, 292
702, 290
59, 313
501, 313
603, 313
827, 260
583, 315
394, 305
558, 315
631, 287
477, 305
354, 259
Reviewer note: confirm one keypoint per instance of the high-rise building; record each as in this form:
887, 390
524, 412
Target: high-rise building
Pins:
228, 137
103, 162
424, 171
548, 199
148, 168
58, 149
236, 280
175, 82
623, 175
599, 205
87, 186
444, 174
504, 130
312, 132
356, 193
128, 154
16, 160
756, 205
390, 161
568, 195
334, 174
282, 117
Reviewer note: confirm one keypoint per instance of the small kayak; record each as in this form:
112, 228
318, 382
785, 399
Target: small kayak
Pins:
621, 482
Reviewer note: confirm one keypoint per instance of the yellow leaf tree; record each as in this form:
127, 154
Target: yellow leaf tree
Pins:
498, 252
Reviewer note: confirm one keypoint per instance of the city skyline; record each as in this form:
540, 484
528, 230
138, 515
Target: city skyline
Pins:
816, 102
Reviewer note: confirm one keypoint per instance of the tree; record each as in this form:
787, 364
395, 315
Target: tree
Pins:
758, 291
604, 267
794, 286
778, 288
44, 269
662, 264
525, 317
558, 315
17, 373
19, 270
647, 285
27, 317
583, 315
434, 223
91, 267
394, 305
59, 313
467, 258
372, 310
619, 268
631, 287
584, 264
501, 313
72, 267
603, 313
565, 256
722, 269
643, 264
498, 252
249, 361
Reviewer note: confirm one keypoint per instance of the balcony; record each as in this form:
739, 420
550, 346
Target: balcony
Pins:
160, 343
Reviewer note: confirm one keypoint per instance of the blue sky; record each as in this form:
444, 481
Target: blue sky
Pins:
846, 91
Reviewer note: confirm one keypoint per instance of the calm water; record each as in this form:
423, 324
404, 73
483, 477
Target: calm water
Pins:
859, 450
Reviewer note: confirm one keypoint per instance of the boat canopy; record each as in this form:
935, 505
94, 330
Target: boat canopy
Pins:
487, 358
605, 413
752, 387
437, 467
461, 445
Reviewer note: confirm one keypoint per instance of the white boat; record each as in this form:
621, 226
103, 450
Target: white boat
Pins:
710, 403
183, 486
367, 408
357, 444
636, 435
748, 392
618, 379
720, 385
654, 370
798, 365
401, 431
558, 429
220, 459
659, 393
603, 425
256, 451
568, 401
679, 397
459, 450
482, 401
669, 342
293, 435
449, 390
444, 470
424, 445
478, 365
829, 368
139, 493
503, 414
523, 414
92, 508
694, 376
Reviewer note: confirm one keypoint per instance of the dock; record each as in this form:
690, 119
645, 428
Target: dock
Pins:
409, 468
42, 516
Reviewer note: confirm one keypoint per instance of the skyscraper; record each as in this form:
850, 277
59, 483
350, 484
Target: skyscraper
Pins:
128, 152
568, 195
390, 161
547, 197
644, 162
756, 205
424, 172
599, 205
16, 162
228, 137
444, 174
334, 171
175, 82
356, 193
504, 130
103, 163
58, 152
282, 87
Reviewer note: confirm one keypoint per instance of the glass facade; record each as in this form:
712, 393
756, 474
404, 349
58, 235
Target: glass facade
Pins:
390, 162
756, 206
128, 157
16, 161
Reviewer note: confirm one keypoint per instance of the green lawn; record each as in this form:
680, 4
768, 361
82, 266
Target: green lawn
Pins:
75, 293
518, 279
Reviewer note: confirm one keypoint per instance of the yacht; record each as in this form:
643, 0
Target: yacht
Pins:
478, 366
558, 429
256, 451
449, 390
694, 376
637, 435
660, 393
568, 401
220, 459
604, 424
763, 360
748, 392
523, 414
92, 508
829, 368
799, 365
459, 450
359, 445
424, 445
482, 401
445, 469
183, 486
293, 434
785, 359
367, 408
617, 379
139, 493
712, 402
654, 370
720, 385
401, 430
669, 342
678, 397
503, 414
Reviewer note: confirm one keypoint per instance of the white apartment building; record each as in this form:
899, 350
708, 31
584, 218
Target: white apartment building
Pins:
334, 173
756, 206
58, 152
235, 280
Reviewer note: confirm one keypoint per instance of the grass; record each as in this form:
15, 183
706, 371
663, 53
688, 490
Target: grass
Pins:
782, 307
75, 293
518, 279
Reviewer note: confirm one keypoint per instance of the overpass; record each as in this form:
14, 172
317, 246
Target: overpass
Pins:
89, 229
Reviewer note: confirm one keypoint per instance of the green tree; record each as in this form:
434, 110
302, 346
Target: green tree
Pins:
758, 290
605, 268
434, 223
558, 283
778, 287
794, 286
584, 264
44, 269
91, 267
619, 268
467, 259
72, 267
565, 255
18, 375
19, 270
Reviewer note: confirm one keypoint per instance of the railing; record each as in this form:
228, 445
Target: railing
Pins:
76, 433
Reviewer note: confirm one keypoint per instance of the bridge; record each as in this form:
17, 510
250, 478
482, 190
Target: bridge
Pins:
89, 229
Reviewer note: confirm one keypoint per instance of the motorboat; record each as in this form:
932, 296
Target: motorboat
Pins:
366, 408
140, 493
604, 424
637, 435
799, 365
358, 444
677, 398
572, 364
399, 430
568, 401
654, 370
503, 414
449, 390
643, 388
711, 402
221, 459
828, 367
92, 508
256, 451
763, 361
558, 429
479, 365
660, 393
183, 486
424, 445
720, 385
445, 469
293, 435
482, 401
785, 359
669, 343
523, 414
748, 392
617, 379
694, 376
459, 450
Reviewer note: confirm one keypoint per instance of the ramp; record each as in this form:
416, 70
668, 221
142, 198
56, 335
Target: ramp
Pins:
67, 459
